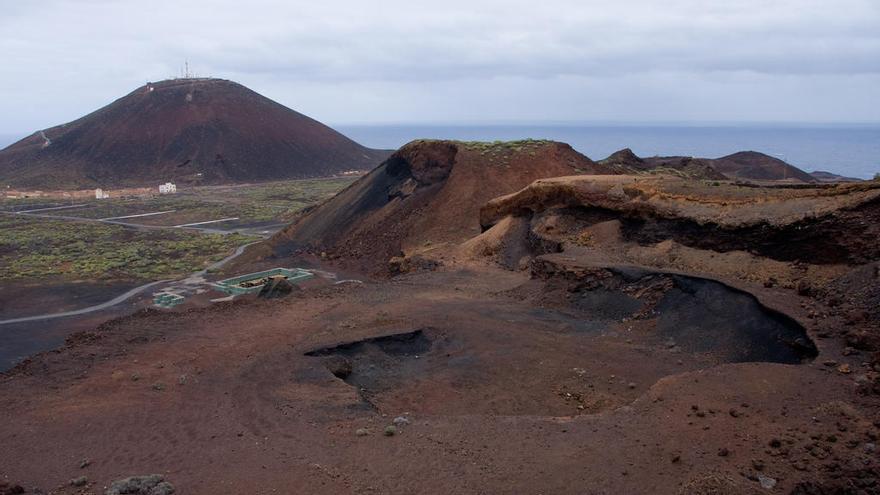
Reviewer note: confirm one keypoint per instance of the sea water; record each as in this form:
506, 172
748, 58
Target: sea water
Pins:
846, 149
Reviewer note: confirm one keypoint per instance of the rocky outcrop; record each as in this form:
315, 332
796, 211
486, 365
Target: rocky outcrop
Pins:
153, 484
276, 288
820, 225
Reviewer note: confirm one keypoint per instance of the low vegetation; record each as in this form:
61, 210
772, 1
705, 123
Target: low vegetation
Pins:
252, 203
37, 248
494, 147
33, 249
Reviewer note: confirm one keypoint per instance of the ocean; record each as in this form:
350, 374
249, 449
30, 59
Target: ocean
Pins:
847, 149
851, 150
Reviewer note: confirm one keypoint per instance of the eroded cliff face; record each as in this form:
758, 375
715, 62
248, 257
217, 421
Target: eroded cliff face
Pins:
815, 245
816, 226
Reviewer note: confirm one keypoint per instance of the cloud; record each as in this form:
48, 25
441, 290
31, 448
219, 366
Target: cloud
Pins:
57, 50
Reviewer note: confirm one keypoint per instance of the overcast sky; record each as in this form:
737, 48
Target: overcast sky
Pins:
352, 61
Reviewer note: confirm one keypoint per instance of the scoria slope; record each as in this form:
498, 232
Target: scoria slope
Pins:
758, 166
206, 131
425, 195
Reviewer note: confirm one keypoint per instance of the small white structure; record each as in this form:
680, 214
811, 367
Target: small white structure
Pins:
101, 194
167, 188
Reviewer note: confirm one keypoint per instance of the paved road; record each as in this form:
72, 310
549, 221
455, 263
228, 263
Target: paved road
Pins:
116, 221
90, 309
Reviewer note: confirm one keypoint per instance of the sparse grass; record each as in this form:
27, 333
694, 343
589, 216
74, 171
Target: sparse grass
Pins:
504, 147
496, 148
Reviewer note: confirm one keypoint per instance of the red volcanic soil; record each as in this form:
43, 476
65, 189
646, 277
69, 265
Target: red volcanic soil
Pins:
426, 194
566, 380
654, 334
758, 166
187, 130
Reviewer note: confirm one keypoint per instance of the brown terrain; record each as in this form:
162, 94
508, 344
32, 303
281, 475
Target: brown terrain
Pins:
744, 165
428, 193
524, 322
754, 165
205, 131
823, 176
627, 162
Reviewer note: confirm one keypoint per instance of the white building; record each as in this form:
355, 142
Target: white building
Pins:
167, 188
100, 194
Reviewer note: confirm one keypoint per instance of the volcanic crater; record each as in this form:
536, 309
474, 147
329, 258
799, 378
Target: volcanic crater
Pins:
534, 365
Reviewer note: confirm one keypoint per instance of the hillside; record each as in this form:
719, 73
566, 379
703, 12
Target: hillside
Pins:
758, 166
206, 131
823, 176
627, 162
426, 193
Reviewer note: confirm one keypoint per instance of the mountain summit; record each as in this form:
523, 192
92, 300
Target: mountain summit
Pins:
206, 131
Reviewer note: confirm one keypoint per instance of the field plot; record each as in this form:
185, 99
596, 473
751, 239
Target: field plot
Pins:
33, 248
250, 203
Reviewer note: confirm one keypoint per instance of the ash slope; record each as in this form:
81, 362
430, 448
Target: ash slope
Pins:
207, 131
426, 194
758, 166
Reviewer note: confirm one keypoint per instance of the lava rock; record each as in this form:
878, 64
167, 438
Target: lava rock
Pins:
276, 288
339, 366
7, 489
152, 484
766, 482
